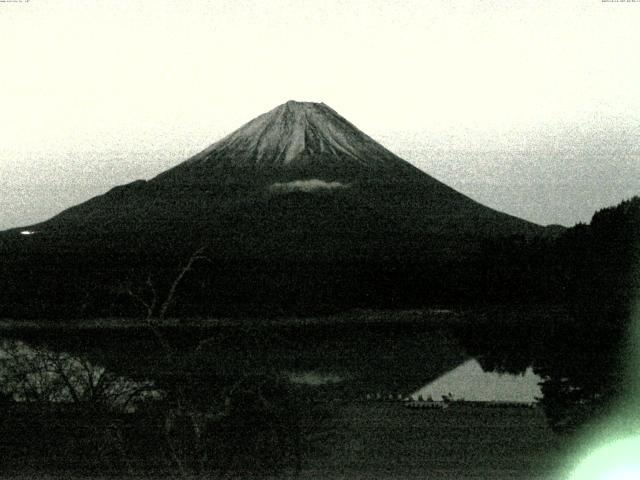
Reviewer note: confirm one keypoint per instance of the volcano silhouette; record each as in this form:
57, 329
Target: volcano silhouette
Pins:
293, 193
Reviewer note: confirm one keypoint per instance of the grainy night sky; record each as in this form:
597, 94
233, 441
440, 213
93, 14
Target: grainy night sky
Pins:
529, 107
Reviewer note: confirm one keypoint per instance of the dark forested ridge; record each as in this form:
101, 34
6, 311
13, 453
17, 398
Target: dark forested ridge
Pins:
602, 261
593, 271
80, 278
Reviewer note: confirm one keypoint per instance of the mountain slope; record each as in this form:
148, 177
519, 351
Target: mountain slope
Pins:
298, 147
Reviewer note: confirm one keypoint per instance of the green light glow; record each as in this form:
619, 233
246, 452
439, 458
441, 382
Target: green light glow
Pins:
619, 460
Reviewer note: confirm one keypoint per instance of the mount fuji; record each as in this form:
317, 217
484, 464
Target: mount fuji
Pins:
298, 198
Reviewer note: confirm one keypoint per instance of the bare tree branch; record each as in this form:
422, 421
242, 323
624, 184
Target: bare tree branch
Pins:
197, 255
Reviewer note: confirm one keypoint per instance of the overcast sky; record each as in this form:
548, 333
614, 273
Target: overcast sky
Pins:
530, 107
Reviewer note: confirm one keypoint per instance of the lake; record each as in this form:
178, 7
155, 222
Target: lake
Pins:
330, 381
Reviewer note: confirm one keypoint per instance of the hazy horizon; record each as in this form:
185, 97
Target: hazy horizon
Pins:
528, 108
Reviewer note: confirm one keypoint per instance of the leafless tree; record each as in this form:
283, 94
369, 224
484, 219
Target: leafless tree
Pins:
56, 382
185, 424
44, 376
155, 307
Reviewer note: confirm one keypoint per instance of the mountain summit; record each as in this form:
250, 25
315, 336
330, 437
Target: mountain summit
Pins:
293, 139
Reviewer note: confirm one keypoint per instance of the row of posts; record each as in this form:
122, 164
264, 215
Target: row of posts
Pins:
380, 397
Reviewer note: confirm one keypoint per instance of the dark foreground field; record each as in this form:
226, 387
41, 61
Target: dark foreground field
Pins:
387, 440
358, 440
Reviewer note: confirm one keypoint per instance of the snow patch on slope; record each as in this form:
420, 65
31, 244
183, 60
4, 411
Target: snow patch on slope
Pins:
311, 185
293, 134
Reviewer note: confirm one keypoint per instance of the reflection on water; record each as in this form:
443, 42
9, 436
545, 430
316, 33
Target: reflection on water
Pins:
313, 378
41, 375
242, 402
30, 374
470, 382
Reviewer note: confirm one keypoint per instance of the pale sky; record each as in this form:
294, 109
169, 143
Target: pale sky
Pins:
530, 107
